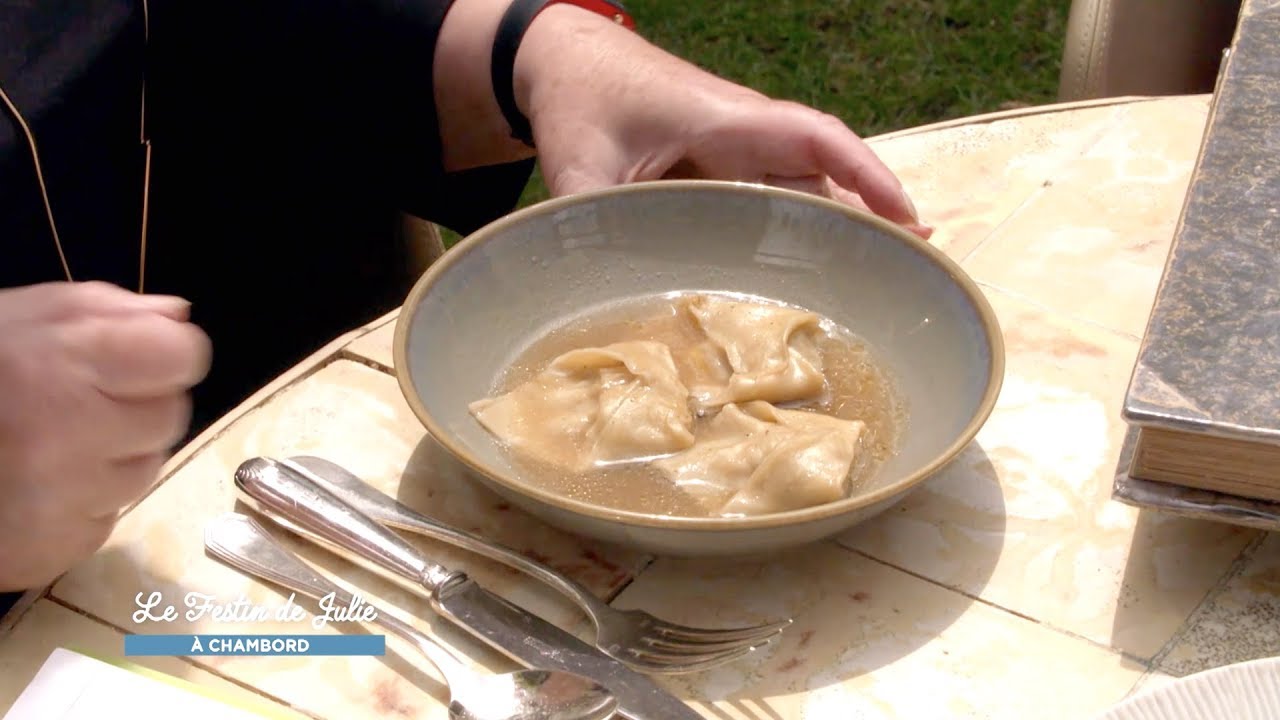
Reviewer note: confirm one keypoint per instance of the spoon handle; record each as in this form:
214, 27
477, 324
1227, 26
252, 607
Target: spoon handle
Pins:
240, 542
280, 492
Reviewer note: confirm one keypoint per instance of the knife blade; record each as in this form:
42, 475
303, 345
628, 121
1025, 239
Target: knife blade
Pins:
302, 506
532, 641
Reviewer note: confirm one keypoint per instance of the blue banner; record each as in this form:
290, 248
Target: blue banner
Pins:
191, 645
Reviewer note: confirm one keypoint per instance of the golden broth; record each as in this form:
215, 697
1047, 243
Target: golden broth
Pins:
858, 389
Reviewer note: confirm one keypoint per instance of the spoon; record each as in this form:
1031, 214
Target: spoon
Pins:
239, 541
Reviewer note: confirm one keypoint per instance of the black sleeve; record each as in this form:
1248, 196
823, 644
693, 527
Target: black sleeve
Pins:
331, 92
7, 601
287, 135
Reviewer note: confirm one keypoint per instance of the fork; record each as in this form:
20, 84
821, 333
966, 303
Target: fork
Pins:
637, 638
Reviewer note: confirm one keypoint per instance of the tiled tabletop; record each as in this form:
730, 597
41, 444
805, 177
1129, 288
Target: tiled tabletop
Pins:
1010, 586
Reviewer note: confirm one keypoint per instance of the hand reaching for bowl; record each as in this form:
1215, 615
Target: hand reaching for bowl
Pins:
608, 107
94, 380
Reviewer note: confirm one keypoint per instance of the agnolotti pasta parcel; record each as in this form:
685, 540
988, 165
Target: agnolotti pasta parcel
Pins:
755, 458
771, 351
594, 406
697, 404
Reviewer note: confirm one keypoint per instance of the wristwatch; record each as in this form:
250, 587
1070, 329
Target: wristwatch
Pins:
506, 42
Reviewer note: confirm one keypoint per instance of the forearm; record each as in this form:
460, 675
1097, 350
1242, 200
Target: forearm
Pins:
607, 107
473, 131
569, 48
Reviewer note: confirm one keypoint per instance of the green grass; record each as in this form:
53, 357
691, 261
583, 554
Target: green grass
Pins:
881, 65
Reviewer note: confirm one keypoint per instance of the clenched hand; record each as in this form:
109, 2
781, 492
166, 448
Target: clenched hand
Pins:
94, 385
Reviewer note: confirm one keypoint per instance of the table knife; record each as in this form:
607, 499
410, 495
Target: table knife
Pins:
300, 505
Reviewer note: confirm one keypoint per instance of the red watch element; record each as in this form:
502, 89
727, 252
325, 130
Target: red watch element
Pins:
613, 11
515, 21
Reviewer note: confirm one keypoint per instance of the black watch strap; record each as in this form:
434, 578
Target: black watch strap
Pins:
511, 30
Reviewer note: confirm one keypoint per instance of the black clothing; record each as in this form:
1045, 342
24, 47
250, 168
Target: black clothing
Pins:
286, 136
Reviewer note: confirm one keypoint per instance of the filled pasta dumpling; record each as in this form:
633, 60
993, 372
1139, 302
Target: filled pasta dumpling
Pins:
696, 405
771, 351
595, 406
754, 458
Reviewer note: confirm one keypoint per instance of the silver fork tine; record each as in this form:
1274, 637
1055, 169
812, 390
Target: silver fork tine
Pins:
684, 664
647, 650
686, 648
710, 635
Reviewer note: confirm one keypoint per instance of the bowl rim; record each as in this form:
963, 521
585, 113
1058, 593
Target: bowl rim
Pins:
967, 285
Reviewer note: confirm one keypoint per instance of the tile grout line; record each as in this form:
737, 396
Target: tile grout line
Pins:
648, 563
1037, 192
188, 661
347, 354
1014, 295
1233, 571
1147, 665
1048, 182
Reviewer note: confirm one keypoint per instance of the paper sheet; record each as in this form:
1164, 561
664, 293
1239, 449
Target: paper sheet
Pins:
71, 686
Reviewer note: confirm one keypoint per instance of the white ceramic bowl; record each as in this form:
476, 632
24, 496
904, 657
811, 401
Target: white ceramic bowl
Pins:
507, 284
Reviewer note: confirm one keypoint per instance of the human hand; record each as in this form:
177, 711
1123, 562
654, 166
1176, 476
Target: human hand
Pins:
609, 108
94, 380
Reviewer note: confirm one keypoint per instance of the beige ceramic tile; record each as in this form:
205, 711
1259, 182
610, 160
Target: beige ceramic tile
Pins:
1094, 244
966, 180
870, 641
1151, 681
1240, 622
355, 416
49, 626
375, 346
1024, 517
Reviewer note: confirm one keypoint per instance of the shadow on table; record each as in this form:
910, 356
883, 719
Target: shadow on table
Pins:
437, 484
874, 599
1174, 564
856, 610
